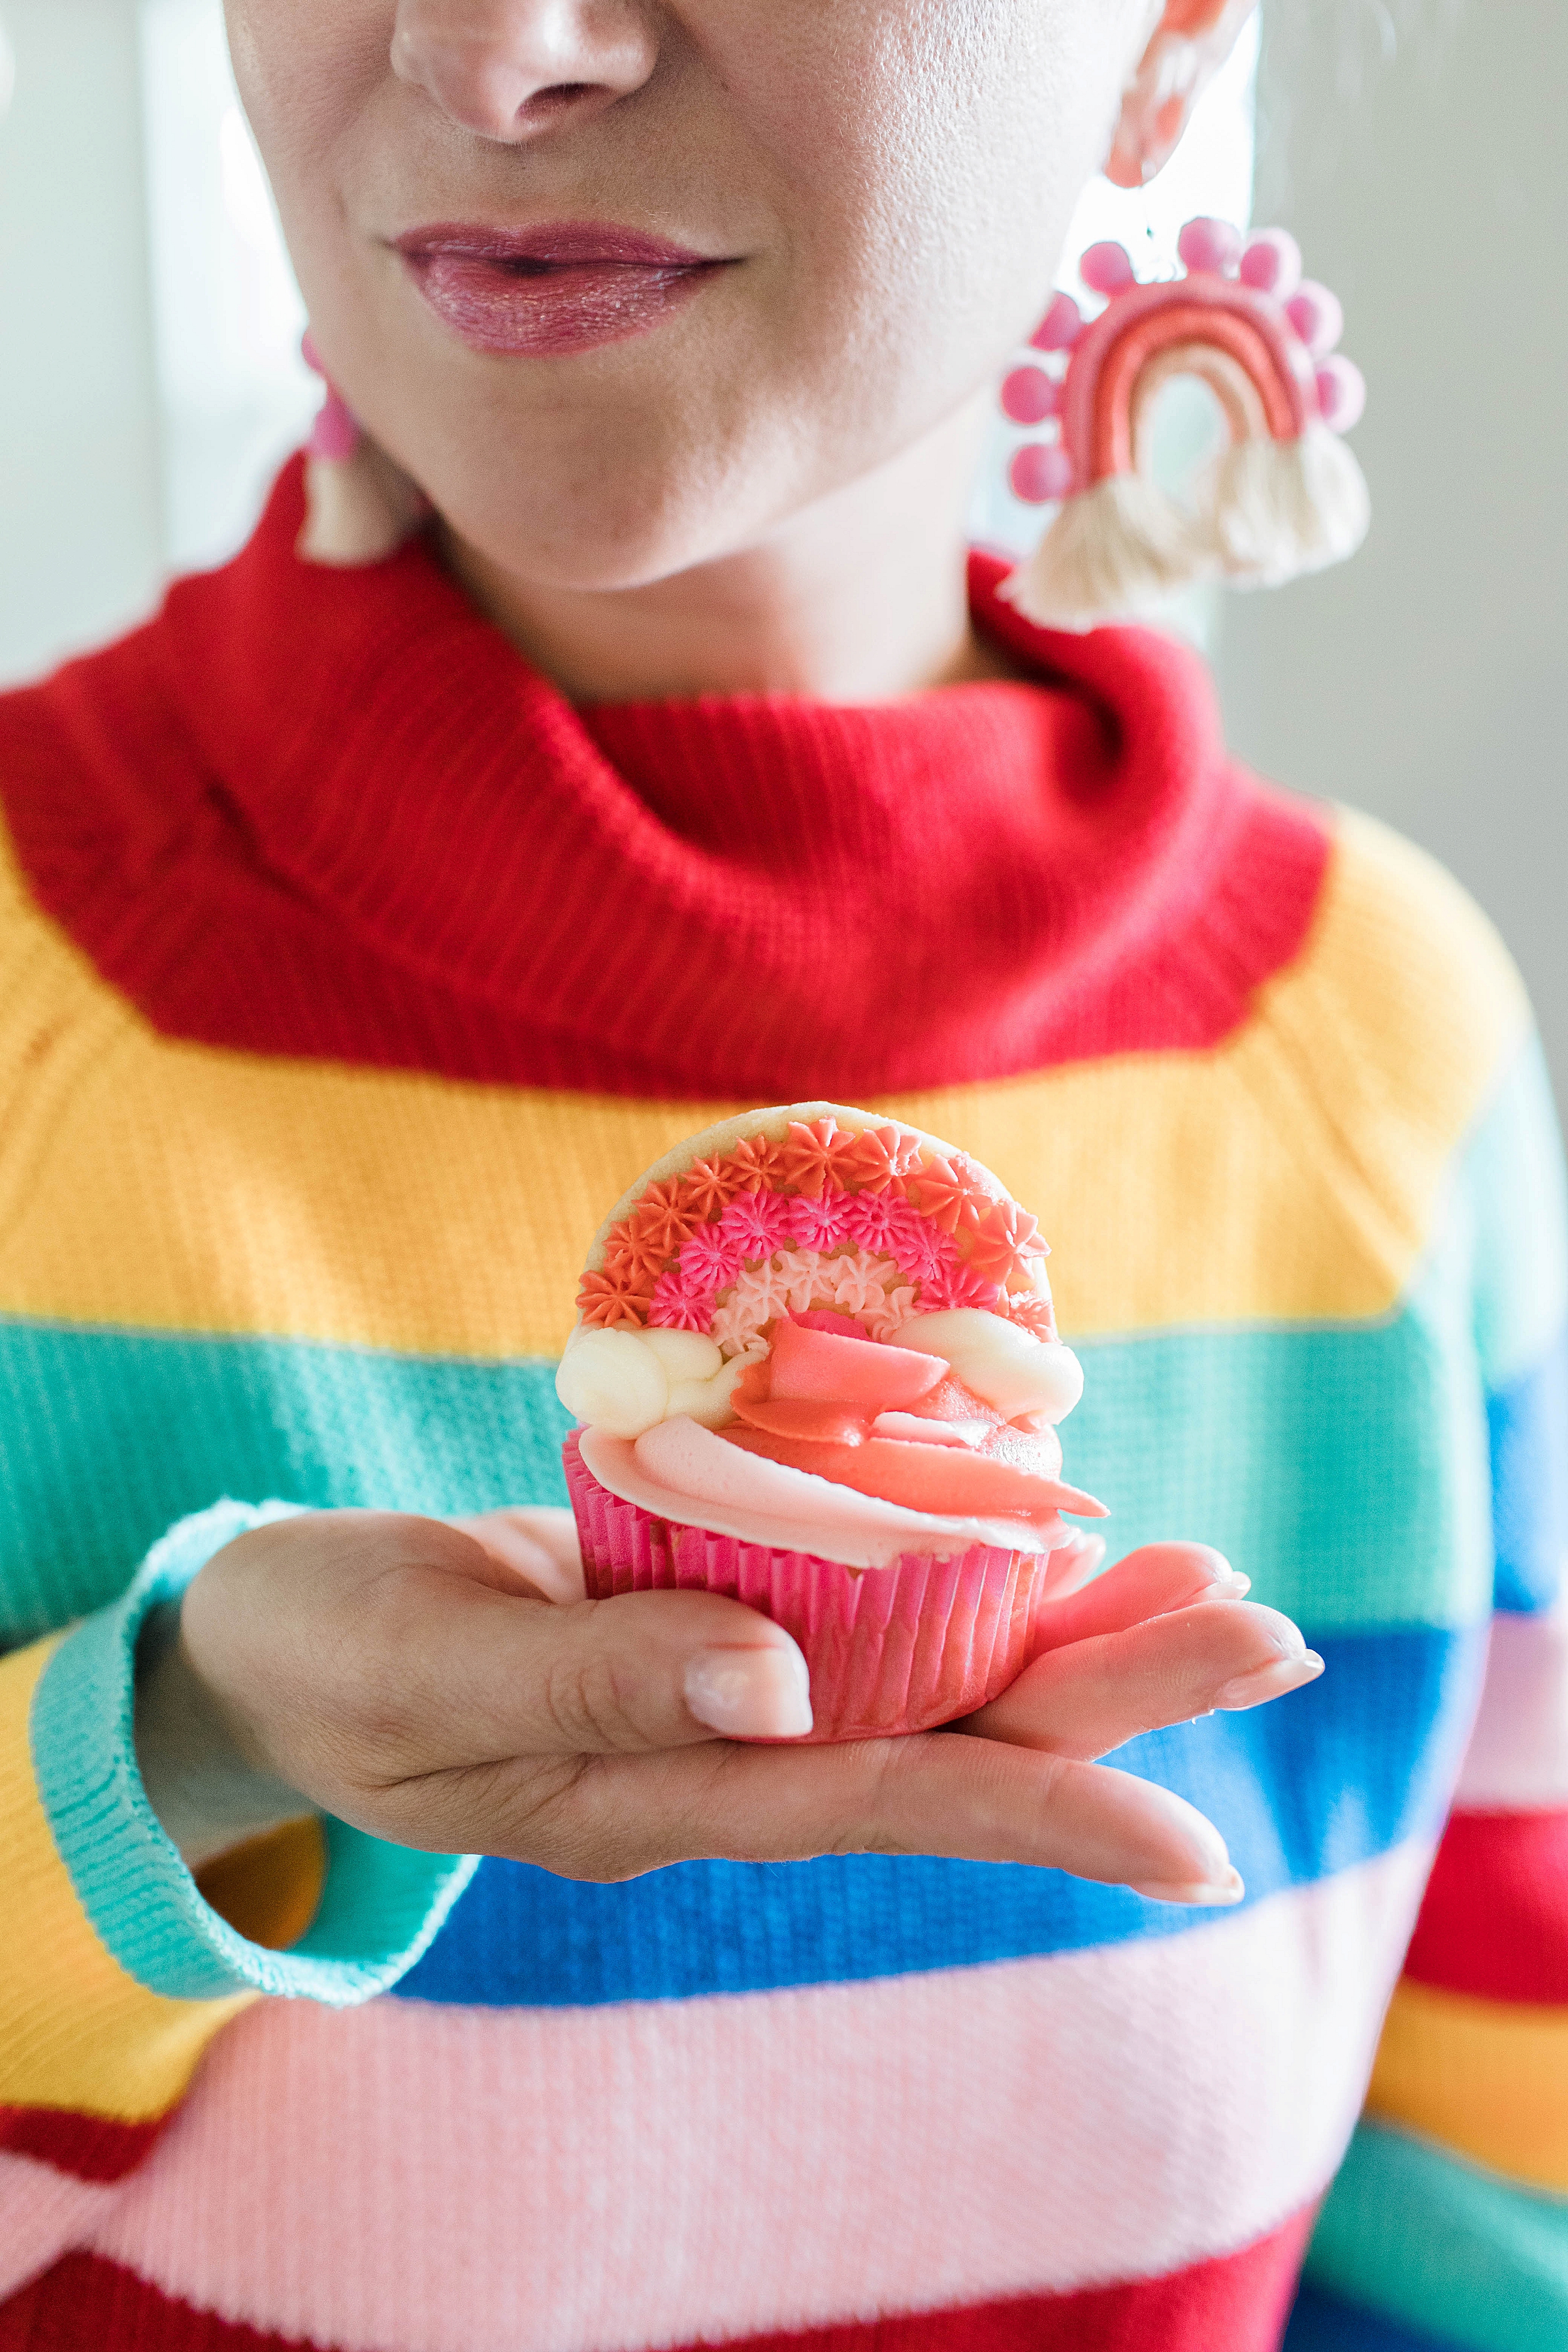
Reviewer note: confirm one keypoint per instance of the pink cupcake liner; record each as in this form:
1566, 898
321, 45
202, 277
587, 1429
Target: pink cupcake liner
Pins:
890, 1650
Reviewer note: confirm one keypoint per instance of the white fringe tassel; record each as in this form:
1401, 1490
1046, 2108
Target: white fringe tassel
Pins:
1114, 551
1269, 511
1276, 509
358, 509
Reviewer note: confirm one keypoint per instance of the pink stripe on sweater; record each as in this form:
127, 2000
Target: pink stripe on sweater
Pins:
1518, 1760
43, 2215
419, 2178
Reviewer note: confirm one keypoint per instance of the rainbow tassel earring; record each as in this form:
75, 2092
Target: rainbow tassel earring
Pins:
1286, 497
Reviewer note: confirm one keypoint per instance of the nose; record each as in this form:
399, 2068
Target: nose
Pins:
508, 69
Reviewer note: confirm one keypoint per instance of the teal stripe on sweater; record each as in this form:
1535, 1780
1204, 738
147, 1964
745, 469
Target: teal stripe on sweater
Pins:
1444, 2247
1344, 1469
380, 1904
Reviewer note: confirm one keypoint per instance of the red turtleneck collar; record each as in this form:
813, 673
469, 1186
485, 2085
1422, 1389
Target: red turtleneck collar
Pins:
331, 814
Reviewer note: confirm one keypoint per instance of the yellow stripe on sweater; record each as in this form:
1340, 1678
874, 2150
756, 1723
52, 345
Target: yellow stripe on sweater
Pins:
1488, 2079
75, 2031
1292, 1173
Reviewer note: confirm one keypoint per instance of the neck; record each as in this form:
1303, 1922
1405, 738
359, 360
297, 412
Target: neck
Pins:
860, 598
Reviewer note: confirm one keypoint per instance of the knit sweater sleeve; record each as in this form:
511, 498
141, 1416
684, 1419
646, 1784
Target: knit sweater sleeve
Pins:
1448, 2226
118, 1967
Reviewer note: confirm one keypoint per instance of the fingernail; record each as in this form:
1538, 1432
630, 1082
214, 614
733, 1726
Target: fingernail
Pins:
1232, 1586
1270, 1682
1213, 1894
751, 1694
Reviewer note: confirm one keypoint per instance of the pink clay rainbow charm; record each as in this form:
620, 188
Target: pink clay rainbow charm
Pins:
1287, 498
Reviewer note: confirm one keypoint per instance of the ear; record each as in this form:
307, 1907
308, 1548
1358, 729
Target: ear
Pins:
1186, 50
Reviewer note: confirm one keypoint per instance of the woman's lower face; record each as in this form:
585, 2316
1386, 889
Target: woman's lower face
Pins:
626, 285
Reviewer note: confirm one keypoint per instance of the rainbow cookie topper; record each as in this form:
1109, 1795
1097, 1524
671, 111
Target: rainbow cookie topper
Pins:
1285, 498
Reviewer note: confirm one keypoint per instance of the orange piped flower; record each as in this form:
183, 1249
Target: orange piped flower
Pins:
814, 1156
663, 1220
1002, 1237
635, 1261
708, 1188
757, 1165
948, 1194
879, 1157
605, 1300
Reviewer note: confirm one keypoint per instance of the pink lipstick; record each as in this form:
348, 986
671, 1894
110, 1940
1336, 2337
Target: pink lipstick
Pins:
541, 293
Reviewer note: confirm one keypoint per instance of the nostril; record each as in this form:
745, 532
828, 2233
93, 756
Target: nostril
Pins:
557, 99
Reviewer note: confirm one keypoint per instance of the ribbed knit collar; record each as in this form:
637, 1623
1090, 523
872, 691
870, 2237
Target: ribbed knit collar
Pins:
752, 896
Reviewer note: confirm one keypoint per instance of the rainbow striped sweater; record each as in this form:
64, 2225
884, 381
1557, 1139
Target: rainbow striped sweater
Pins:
346, 975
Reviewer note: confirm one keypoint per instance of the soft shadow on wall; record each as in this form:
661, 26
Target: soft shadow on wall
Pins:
1416, 149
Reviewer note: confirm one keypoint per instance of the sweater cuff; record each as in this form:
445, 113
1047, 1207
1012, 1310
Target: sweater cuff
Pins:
380, 1904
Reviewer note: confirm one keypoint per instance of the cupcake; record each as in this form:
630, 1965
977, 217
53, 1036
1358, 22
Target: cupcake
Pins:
816, 1368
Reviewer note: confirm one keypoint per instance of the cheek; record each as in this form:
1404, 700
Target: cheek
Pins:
927, 159
307, 72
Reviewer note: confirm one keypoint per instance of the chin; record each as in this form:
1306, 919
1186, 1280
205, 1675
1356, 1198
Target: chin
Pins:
626, 530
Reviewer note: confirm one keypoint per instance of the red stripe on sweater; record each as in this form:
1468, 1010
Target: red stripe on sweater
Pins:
333, 814
1494, 1923
1237, 2304
92, 2147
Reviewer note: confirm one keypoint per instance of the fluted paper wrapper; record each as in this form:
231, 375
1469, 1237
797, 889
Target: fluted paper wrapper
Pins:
889, 1649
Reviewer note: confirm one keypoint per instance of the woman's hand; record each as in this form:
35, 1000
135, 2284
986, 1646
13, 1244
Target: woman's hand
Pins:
409, 1678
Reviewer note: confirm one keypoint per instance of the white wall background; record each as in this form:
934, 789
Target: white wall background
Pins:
1418, 153
81, 475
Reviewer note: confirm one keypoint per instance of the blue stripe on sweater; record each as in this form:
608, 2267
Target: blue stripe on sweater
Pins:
1311, 1784
1321, 2323
1529, 1423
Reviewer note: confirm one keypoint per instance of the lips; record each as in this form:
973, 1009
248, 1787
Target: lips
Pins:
545, 292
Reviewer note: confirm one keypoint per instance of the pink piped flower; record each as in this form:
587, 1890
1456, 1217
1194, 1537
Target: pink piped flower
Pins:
676, 1308
869, 1219
960, 1286
919, 1248
817, 1223
711, 1260
756, 1224
1032, 1312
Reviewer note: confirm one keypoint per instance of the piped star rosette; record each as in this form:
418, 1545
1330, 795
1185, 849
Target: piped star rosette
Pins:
817, 1369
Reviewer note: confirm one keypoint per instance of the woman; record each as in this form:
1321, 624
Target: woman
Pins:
370, 924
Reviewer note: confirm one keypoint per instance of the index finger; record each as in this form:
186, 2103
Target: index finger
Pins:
1152, 1581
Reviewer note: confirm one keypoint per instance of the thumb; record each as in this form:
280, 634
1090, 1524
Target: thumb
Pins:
647, 1671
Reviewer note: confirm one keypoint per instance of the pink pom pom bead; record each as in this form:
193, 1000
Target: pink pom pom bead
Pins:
336, 434
1030, 395
1342, 393
1041, 471
1272, 264
1318, 318
1060, 328
1213, 245
1107, 268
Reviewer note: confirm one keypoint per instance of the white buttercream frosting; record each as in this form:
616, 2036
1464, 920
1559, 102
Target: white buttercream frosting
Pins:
998, 1360
627, 1382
